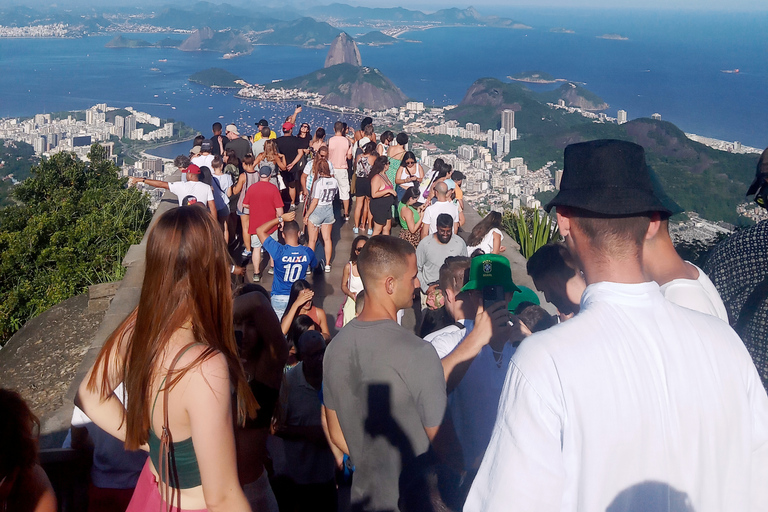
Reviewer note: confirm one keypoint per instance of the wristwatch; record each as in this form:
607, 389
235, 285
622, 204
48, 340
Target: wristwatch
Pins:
280, 219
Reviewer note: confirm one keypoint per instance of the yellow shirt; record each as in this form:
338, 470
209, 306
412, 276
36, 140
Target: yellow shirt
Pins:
459, 193
272, 135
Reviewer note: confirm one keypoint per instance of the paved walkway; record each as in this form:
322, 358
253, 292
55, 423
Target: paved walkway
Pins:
327, 286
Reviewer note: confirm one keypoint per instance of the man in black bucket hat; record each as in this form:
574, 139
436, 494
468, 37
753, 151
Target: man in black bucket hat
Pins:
633, 389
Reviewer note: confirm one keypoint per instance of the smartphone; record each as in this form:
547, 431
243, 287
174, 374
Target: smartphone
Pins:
298, 105
492, 295
292, 208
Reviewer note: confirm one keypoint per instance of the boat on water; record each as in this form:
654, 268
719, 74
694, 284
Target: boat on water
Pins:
163, 60
730, 71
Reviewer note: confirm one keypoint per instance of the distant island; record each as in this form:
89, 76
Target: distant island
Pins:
561, 30
376, 38
613, 37
125, 42
217, 78
535, 77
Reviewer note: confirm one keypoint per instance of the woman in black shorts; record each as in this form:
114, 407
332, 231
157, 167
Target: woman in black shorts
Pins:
383, 197
363, 188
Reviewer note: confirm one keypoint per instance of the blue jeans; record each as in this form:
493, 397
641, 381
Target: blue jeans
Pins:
279, 303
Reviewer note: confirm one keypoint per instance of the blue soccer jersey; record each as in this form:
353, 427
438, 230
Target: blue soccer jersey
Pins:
291, 264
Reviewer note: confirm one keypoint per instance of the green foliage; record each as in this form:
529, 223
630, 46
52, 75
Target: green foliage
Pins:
215, 77
530, 228
71, 229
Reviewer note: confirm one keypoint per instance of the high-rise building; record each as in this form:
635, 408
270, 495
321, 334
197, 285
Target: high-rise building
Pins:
489, 138
621, 116
558, 178
130, 126
120, 126
513, 134
507, 120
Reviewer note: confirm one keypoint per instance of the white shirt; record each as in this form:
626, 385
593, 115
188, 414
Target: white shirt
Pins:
632, 390
325, 190
486, 244
224, 181
203, 161
448, 338
435, 209
697, 294
310, 174
200, 190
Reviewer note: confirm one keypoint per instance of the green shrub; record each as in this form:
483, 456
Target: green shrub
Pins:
71, 228
531, 229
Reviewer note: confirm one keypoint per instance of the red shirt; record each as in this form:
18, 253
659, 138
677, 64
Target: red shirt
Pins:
262, 199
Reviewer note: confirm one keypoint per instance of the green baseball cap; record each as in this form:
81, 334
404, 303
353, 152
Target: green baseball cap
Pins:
524, 295
490, 270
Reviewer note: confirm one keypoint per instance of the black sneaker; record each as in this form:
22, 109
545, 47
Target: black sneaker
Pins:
256, 278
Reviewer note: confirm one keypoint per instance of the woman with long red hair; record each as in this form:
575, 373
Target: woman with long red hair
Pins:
177, 356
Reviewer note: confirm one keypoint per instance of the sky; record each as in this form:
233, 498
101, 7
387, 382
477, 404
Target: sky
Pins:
485, 6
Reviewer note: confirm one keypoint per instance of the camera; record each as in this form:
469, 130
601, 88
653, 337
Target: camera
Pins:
492, 295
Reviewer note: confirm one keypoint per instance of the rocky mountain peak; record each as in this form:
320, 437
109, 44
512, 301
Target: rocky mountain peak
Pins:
343, 51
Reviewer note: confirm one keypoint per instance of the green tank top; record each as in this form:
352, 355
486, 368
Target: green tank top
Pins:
182, 453
416, 217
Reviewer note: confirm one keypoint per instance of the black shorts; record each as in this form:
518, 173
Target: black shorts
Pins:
362, 187
287, 177
381, 209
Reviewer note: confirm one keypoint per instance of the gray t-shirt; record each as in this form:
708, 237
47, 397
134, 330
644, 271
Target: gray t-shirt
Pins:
385, 385
431, 254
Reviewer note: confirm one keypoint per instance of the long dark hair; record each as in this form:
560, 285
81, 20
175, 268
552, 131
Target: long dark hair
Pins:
206, 176
353, 253
299, 326
298, 286
186, 279
380, 165
410, 193
492, 220
19, 428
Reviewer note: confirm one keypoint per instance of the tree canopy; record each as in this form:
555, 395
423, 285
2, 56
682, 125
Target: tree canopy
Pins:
71, 228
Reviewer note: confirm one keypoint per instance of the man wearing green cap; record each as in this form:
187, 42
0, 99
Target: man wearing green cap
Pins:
476, 358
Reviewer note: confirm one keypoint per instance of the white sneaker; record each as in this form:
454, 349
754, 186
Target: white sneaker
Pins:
327, 268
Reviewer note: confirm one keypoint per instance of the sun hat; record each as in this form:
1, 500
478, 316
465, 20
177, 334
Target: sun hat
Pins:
489, 270
608, 177
232, 128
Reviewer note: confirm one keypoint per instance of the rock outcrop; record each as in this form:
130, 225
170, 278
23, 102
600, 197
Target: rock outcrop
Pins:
206, 39
345, 85
343, 51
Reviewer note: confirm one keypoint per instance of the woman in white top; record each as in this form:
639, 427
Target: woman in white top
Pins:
409, 173
487, 235
351, 282
319, 214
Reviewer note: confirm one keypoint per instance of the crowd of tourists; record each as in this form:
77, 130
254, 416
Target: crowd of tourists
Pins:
217, 394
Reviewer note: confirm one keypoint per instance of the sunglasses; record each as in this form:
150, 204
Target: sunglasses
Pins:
358, 249
410, 163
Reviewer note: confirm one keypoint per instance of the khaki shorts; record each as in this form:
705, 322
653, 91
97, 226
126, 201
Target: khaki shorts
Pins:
343, 180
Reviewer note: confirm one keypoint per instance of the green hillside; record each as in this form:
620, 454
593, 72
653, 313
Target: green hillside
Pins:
699, 178
125, 42
349, 86
375, 37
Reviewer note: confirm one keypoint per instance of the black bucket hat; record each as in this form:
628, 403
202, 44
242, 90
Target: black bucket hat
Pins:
608, 177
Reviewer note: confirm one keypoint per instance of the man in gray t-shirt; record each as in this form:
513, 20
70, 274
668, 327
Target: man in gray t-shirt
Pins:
432, 251
383, 387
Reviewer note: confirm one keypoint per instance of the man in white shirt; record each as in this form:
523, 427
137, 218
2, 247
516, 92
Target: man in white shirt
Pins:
205, 157
681, 282
634, 394
443, 205
193, 187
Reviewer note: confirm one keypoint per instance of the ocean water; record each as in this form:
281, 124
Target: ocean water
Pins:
670, 64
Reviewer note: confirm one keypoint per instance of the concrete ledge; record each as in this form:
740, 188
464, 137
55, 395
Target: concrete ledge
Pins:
126, 298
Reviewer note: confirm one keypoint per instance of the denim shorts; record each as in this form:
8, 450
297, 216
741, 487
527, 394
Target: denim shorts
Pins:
322, 215
279, 303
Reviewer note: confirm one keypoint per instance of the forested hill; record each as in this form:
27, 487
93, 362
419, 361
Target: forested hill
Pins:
698, 177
